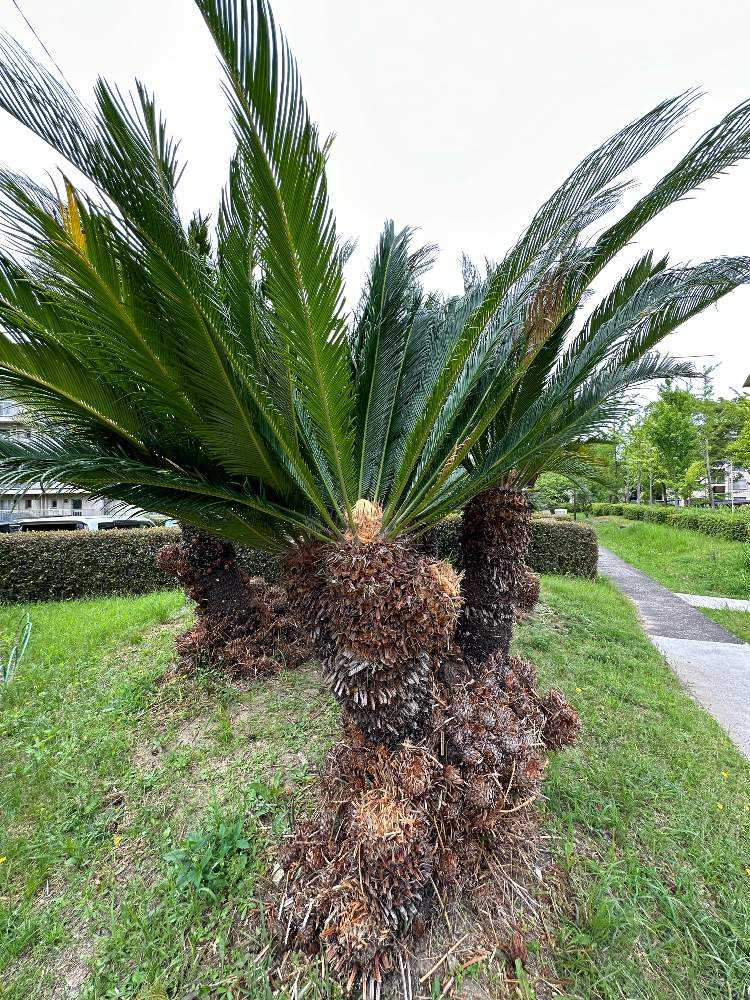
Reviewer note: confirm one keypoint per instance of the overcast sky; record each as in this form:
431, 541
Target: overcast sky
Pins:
459, 118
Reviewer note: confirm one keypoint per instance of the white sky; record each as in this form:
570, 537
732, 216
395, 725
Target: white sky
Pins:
457, 118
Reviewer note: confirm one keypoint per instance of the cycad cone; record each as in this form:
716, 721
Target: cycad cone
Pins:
367, 518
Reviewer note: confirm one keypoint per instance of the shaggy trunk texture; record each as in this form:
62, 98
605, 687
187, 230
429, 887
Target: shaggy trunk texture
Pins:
527, 595
243, 623
382, 617
495, 534
208, 566
436, 761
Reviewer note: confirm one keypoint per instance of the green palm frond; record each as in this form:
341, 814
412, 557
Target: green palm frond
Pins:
296, 230
385, 337
717, 150
214, 375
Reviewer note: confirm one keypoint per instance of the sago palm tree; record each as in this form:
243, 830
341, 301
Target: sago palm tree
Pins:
576, 378
226, 387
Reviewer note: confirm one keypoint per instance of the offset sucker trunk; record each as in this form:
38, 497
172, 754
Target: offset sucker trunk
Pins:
243, 624
207, 568
494, 538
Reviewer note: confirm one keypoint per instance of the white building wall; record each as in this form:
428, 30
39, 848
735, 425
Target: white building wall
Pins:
36, 502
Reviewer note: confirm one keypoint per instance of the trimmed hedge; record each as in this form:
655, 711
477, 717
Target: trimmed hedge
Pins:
561, 547
718, 523
64, 565
565, 548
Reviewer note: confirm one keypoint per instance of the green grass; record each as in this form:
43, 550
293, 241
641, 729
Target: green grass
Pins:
735, 621
654, 808
127, 798
683, 561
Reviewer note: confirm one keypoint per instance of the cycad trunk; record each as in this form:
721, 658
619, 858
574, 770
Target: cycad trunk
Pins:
207, 568
428, 544
435, 761
243, 624
383, 617
495, 535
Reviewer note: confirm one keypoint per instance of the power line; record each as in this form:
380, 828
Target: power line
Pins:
31, 28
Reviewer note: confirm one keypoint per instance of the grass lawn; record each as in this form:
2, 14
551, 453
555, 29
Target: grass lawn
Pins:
684, 561
120, 786
735, 621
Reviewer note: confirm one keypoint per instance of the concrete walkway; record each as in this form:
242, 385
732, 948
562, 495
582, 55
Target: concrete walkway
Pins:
704, 601
714, 664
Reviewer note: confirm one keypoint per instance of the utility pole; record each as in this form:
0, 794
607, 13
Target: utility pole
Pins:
706, 395
706, 456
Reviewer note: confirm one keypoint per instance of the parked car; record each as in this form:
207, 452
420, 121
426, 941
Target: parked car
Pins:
75, 523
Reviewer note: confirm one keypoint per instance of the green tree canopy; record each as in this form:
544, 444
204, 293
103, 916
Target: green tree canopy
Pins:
670, 429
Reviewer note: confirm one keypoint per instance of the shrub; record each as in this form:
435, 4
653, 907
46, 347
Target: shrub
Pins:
565, 548
718, 523
64, 565
61, 565
711, 522
657, 515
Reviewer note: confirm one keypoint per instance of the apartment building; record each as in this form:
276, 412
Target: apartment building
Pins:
34, 501
730, 484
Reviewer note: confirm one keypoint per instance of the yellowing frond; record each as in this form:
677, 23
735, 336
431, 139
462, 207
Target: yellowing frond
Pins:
72, 218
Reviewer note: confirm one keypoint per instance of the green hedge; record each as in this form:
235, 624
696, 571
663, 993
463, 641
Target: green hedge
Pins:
565, 548
562, 547
719, 523
63, 565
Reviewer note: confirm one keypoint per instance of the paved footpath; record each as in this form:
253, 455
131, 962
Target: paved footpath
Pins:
713, 663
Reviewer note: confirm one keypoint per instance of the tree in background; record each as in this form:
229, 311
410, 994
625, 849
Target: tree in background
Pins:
610, 481
739, 449
719, 423
640, 457
669, 426
681, 440
556, 490
693, 480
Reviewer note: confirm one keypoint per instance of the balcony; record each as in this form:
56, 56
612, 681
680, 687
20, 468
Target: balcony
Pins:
22, 514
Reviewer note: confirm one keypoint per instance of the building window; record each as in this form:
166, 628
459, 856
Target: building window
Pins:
54, 503
77, 505
27, 503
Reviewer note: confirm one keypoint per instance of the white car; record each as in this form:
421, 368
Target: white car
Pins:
78, 523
